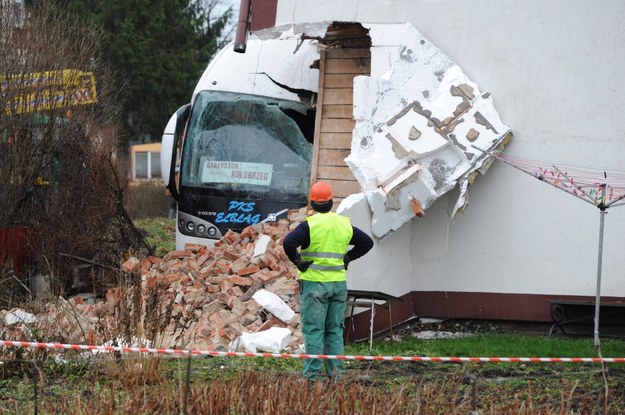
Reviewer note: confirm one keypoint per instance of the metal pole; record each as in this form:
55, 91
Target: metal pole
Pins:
187, 389
599, 264
35, 386
371, 324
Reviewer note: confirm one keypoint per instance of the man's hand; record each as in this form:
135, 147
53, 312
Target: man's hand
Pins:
302, 265
346, 261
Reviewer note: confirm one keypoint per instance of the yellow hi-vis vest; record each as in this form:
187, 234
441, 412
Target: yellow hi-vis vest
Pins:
329, 238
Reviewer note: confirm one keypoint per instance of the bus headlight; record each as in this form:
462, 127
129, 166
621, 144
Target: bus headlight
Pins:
190, 226
201, 229
212, 231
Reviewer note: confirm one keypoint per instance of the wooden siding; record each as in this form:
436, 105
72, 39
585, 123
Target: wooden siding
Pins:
346, 54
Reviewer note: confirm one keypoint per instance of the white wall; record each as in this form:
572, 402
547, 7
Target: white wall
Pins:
555, 73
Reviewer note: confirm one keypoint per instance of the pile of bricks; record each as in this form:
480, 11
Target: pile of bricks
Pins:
199, 298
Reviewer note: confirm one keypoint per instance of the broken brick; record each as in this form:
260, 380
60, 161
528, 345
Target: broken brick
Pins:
206, 292
131, 265
177, 255
224, 266
226, 284
239, 280
202, 259
249, 270
233, 256
213, 288
239, 265
266, 276
194, 248
150, 282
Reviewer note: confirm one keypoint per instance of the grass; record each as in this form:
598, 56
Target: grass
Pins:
496, 345
159, 233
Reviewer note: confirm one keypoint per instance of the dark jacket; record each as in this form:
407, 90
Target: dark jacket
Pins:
300, 238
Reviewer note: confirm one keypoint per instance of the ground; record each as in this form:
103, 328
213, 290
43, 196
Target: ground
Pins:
146, 384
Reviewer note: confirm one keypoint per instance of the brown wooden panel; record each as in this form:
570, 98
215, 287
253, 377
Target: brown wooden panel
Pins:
318, 116
332, 157
334, 172
339, 96
343, 53
339, 80
335, 140
341, 30
344, 188
480, 305
358, 66
338, 111
337, 125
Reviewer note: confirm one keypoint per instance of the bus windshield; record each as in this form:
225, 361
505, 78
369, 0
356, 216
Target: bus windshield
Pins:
246, 146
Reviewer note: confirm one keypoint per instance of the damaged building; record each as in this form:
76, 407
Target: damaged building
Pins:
407, 103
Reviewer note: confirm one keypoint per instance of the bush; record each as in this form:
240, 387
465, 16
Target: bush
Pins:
147, 200
60, 173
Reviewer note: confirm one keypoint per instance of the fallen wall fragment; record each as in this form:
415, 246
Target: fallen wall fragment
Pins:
420, 126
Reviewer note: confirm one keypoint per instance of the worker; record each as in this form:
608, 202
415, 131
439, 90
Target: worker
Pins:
324, 239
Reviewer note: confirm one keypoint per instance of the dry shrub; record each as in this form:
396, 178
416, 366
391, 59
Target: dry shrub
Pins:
147, 200
142, 315
60, 173
140, 318
255, 392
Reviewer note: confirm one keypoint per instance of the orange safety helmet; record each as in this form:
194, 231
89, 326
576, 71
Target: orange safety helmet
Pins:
320, 192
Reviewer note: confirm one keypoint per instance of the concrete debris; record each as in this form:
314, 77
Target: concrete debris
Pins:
432, 335
274, 305
241, 293
261, 245
17, 315
273, 340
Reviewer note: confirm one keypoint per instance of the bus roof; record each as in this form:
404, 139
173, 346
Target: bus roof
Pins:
271, 68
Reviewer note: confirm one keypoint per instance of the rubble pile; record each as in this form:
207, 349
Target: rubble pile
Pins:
226, 297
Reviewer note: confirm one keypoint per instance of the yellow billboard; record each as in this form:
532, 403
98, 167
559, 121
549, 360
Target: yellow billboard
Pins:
49, 90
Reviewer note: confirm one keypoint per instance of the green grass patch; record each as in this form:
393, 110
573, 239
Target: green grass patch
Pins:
482, 345
492, 345
160, 233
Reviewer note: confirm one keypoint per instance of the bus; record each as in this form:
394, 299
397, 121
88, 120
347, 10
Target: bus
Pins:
240, 153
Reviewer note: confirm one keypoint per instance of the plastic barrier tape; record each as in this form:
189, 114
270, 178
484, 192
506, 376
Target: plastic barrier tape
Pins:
10, 343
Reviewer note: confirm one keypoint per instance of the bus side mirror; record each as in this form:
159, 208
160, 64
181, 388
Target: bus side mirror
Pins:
169, 147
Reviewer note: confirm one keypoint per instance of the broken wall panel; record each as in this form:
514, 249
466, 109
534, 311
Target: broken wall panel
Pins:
417, 108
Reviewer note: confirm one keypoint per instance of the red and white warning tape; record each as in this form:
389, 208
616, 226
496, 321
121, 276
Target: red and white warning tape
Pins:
10, 343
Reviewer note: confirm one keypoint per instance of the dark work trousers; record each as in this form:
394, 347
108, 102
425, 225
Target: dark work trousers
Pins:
322, 311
